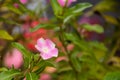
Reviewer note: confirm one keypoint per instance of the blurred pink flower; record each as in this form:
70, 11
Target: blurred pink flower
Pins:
63, 2
24, 79
16, 5
47, 48
13, 58
70, 47
45, 77
23, 1
61, 58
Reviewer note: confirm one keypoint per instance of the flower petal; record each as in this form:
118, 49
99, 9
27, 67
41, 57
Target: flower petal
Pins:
46, 56
38, 48
41, 42
50, 44
46, 48
54, 52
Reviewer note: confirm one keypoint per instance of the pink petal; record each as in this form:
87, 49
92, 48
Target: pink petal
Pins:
15, 59
46, 56
23, 1
62, 2
50, 44
38, 48
54, 52
41, 42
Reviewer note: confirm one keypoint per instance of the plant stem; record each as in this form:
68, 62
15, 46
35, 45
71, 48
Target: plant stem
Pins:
62, 38
115, 48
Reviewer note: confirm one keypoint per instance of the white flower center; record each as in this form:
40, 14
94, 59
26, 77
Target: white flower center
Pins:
45, 50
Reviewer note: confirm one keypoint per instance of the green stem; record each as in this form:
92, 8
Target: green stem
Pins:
62, 38
115, 48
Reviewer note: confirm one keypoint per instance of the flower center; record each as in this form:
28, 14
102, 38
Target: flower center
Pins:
45, 50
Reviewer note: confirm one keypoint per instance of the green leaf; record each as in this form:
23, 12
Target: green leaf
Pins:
98, 45
111, 19
48, 26
24, 51
8, 75
42, 65
4, 35
78, 8
25, 10
8, 21
97, 28
3, 69
75, 11
68, 75
12, 8
75, 61
112, 6
112, 76
31, 76
79, 43
58, 10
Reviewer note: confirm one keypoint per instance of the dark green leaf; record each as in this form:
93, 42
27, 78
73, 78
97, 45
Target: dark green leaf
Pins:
97, 28
4, 35
68, 75
79, 43
112, 5
42, 26
8, 21
98, 45
75, 61
32, 76
112, 76
25, 10
8, 75
12, 8
75, 11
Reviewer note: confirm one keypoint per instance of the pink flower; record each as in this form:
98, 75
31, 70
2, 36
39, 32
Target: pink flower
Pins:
70, 47
63, 2
47, 48
61, 58
23, 1
45, 77
13, 58
16, 5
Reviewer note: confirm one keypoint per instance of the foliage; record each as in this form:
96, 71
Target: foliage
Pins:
80, 57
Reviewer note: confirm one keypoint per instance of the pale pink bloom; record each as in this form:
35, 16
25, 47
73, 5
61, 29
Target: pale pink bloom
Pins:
63, 2
23, 1
47, 48
45, 77
13, 58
